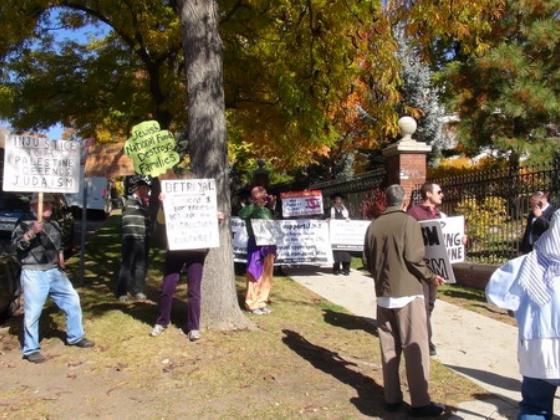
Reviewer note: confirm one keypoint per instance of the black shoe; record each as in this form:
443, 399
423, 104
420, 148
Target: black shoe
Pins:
336, 273
346, 273
430, 410
433, 351
84, 343
36, 357
392, 407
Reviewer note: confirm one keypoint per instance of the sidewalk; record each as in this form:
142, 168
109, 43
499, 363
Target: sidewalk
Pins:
477, 347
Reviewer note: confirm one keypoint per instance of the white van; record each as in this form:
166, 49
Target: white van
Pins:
98, 195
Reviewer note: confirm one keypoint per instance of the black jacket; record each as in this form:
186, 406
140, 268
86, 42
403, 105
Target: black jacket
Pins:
536, 228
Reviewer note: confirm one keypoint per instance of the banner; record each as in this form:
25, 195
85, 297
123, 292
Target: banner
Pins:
348, 235
435, 252
302, 203
304, 241
34, 164
152, 150
191, 213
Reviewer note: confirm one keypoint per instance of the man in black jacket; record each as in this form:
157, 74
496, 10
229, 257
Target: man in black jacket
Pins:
537, 221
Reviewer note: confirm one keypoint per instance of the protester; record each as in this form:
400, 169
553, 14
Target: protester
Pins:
39, 249
340, 212
394, 251
192, 262
260, 259
432, 197
529, 285
135, 237
538, 220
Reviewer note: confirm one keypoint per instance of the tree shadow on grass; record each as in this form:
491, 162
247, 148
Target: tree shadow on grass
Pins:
370, 398
350, 322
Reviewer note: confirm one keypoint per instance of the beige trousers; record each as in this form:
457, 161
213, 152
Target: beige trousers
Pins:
259, 291
403, 330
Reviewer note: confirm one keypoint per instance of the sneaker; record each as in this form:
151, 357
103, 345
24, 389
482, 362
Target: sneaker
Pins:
36, 357
123, 298
257, 311
266, 310
84, 343
157, 330
430, 410
194, 335
140, 296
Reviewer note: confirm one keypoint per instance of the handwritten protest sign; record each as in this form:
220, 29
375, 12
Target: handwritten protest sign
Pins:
190, 208
152, 150
302, 203
304, 241
33, 164
348, 235
435, 252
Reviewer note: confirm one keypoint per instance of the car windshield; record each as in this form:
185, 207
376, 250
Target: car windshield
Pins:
13, 201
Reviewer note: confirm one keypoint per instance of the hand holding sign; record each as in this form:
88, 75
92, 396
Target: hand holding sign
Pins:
152, 150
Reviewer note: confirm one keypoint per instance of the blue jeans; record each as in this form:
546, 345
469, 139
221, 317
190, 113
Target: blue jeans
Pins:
37, 286
538, 398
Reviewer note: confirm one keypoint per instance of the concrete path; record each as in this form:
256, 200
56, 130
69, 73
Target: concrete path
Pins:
477, 347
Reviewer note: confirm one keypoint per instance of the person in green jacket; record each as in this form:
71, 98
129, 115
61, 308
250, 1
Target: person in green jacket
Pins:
260, 259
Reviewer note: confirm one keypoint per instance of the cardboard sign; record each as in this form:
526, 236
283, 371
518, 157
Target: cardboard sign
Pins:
190, 207
348, 235
304, 241
453, 229
34, 164
302, 203
435, 252
152, 150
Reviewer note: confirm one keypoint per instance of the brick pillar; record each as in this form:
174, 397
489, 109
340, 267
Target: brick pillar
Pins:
407, 159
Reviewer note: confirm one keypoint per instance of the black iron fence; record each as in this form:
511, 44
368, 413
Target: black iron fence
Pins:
359, 192
495, 204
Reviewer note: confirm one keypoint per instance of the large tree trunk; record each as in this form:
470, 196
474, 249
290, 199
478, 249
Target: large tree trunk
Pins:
208, 152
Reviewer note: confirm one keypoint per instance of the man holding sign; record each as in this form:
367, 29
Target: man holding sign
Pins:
38, 242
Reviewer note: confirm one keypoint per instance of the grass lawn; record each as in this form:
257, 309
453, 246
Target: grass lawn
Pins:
309, 358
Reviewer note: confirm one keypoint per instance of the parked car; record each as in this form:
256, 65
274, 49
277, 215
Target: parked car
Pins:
98, 200
12, 207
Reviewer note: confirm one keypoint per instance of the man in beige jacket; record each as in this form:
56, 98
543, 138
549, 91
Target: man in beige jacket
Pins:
394, 252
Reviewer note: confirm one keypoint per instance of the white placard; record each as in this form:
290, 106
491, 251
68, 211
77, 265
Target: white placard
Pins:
190, 207
435, 252
304, 241
348, 235
34, 164
453, 229
302, 203
240, 239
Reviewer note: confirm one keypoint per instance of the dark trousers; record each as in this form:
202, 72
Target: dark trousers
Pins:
430, 295
175, 262
132, 275
344, 258
538, 398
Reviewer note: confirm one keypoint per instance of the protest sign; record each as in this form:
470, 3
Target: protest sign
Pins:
348, 235
435, 252
240, 238
302, 203
453, 229
304, 241
191, 211
152, 150
34, 164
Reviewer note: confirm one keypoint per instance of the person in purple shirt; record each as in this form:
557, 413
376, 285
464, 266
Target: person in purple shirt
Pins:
432, 197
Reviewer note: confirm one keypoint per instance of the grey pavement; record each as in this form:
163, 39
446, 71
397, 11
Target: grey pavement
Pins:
482, 349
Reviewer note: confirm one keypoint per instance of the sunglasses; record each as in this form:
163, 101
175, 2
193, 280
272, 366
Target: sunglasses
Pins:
440, 192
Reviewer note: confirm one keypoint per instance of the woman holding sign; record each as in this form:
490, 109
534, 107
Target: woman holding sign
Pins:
260, 259
177, 261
